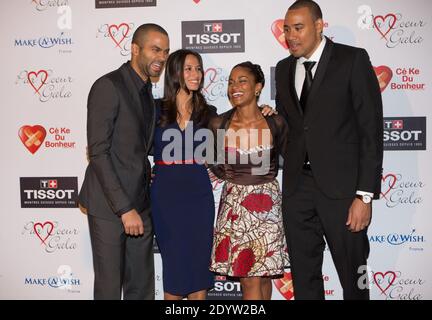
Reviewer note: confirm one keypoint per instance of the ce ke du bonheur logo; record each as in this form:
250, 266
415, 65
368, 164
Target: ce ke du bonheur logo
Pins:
33, 137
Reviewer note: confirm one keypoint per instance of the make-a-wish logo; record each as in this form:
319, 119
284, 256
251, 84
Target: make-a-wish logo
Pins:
395, 190
118, 35
46, 84
393, 285
215, 84
45, 42
51, 235
42, 5
64, 280
397, 239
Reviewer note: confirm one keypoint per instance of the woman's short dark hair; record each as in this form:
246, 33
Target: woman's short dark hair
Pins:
255, 70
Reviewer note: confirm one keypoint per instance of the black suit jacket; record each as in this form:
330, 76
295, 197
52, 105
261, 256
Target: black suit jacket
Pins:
342, 127
118, 175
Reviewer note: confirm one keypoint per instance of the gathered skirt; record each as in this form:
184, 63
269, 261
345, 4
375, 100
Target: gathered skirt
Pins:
249, 239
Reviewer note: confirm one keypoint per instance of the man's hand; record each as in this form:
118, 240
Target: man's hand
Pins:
133, 223
359, 215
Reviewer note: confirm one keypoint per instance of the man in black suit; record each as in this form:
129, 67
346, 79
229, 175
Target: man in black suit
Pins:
115, 192
330, 97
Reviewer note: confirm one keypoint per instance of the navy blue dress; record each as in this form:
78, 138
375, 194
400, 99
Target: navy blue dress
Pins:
183, 216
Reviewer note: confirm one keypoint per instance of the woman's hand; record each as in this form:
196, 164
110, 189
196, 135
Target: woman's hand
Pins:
266, 110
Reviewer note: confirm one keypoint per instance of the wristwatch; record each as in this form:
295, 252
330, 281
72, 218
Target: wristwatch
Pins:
365, 198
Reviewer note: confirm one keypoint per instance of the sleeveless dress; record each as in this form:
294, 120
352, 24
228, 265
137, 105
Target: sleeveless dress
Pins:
183, 215
249, 237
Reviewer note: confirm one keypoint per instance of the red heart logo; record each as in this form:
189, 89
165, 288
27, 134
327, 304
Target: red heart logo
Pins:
384, 75
285, 286
392, 278
118, 35
391, 23
43, 231
391, 184
278, 32
196, 1
37, 81
32, 137
211, 73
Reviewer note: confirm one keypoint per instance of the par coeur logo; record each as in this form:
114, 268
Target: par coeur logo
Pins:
395, 29
52, 235
43, 230
119, 35
215, 83
395, 285
396, 190
37, 79
384, 280
42, 5
45, 84
384, 24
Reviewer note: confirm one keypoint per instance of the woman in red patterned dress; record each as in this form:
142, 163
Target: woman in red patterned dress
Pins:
249, 241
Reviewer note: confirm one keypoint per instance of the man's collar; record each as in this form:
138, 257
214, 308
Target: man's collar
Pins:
316, 56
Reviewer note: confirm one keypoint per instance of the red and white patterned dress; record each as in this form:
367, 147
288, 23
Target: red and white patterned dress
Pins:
249, 239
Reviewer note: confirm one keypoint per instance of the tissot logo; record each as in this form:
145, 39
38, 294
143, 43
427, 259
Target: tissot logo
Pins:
407, 133
225, 289
60, 192
213, 36
102, 4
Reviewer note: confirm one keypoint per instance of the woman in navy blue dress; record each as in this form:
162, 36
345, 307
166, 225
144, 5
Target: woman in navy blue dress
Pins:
181, 192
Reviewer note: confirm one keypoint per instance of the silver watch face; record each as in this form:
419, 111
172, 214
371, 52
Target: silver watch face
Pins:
366, 199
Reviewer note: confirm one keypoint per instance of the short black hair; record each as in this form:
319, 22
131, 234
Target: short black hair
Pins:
143, 29
313, 7
255, 70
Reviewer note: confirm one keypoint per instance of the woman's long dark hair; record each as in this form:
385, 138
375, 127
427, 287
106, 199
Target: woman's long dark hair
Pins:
174, 81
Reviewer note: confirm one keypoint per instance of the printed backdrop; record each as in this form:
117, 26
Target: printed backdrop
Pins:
52, 52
